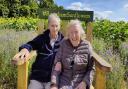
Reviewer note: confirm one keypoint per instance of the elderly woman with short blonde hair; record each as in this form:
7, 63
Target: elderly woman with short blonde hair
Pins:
46, 45
73, 66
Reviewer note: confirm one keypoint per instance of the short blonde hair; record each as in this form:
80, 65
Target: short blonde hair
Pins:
75, 23
53, 16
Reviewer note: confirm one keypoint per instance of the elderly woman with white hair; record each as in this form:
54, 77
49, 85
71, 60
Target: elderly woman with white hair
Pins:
73, 66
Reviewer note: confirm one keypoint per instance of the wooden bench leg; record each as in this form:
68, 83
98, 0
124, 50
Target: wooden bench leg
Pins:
100, 79
22, 76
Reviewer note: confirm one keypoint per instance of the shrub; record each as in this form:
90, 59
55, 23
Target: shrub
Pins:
24, 10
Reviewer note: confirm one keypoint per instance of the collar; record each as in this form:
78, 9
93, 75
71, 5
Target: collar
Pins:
52, 38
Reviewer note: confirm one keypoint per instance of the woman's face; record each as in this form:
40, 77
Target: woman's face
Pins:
54, 26
74, 35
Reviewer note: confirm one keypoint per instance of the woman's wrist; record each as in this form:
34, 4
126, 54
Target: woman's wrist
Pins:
53, 85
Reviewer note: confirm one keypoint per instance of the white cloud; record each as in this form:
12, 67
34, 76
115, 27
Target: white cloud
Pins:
83, 6
125, 7
78, 6
103, 14
88, 9
122, 19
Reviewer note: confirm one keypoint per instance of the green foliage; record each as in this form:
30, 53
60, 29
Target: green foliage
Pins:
115, 79
48, 4
13, 6
33, 8
10, 40
113, 32
18, 24
4, 11
25, 2
24, 11
112, 45
27, 8
123, 49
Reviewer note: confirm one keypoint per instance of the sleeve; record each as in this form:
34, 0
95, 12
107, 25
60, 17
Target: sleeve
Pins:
55, 73
33, 44
90, 68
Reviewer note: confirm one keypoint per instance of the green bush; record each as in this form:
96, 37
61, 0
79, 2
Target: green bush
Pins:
112, 32
33, 8
24, 11
4, 11
19, 24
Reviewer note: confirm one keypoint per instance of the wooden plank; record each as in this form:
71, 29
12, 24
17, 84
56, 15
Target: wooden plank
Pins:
101, 63
89, 34
22, 76
22, 81
20, 61
100, 79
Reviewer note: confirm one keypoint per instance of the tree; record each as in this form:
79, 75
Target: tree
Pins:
33, 8
48, 4
14, 8
4, 11
24, 2
24, 10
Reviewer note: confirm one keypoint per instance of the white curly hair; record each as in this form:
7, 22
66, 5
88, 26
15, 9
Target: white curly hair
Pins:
75, 23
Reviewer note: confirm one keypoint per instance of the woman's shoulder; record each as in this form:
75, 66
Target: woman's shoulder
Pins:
64, 41
85, 42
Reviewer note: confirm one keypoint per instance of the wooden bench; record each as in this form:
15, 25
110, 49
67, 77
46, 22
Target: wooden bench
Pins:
102, 67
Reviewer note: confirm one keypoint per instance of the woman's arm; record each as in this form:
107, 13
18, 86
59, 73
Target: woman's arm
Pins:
33, 44
55, 75
88, 79
57, 67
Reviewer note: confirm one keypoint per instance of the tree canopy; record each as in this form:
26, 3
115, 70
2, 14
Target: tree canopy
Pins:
19, 8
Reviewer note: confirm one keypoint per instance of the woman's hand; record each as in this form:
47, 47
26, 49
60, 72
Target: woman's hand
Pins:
91, 87
23, 55
58, 66
82, 85
53, 88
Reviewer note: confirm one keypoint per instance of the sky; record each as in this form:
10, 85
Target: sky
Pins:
114, 10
